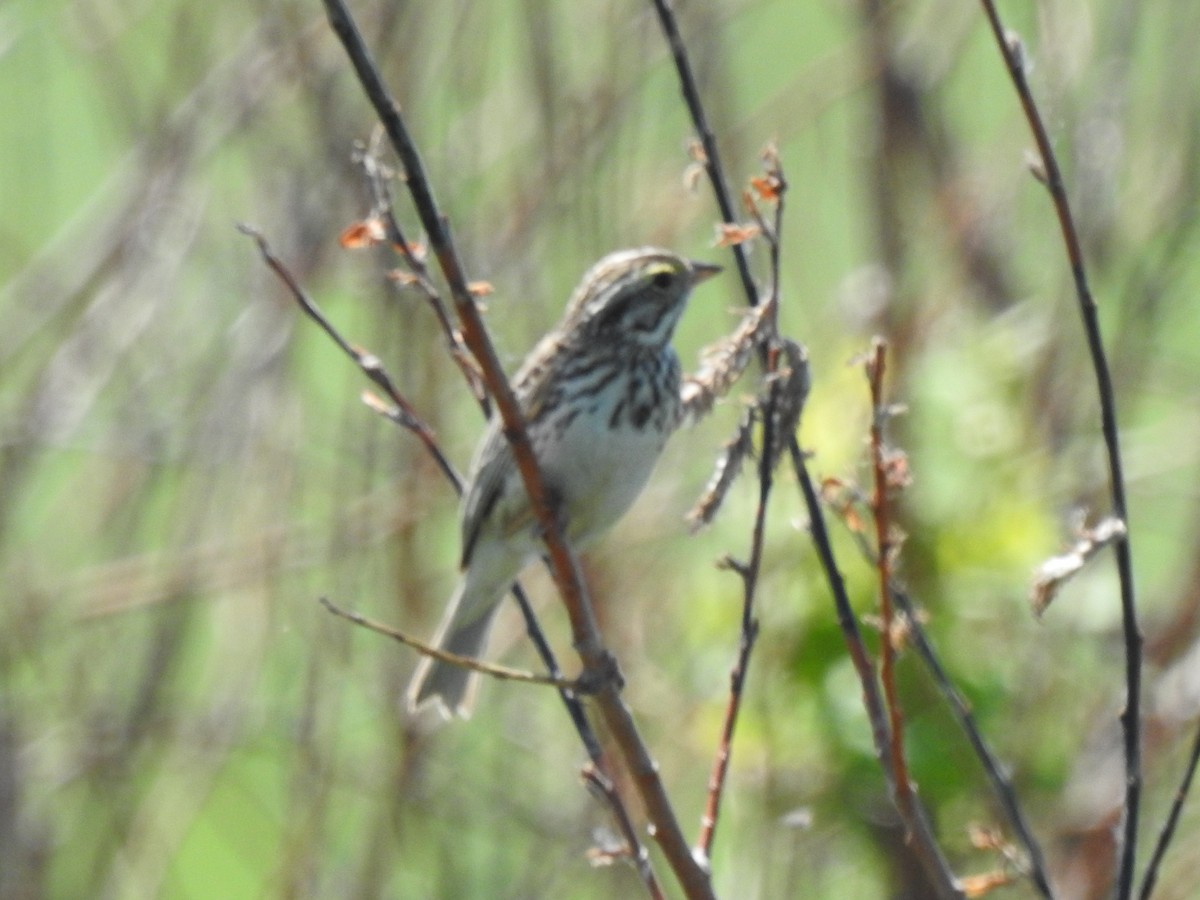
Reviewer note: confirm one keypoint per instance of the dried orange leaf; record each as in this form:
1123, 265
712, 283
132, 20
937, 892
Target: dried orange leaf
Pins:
766, 186
366, 233
696, 151
480, 288
731, 235
979, 885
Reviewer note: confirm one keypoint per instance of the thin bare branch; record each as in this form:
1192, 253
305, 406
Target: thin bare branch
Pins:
503, 673
377, 176
1168, 830
994, 769
708, 141
598, 664
749, 572
1013, 53
921, 838
885, 549
923, 841
402, 412
601, 785
422, 280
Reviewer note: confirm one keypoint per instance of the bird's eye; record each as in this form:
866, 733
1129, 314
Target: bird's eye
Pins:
663, 280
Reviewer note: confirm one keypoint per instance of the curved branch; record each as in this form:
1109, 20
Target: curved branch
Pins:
1051, 176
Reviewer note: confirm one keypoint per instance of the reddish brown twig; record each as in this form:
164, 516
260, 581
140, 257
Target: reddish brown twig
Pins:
844, 500
921, 837
882, 466
599, 667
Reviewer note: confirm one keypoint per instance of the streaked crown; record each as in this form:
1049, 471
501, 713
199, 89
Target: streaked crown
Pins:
634, 295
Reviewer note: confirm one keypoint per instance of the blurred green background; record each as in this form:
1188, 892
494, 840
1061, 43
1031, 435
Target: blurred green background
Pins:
185, 465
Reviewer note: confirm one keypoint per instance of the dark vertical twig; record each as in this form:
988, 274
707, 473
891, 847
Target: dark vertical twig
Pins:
1051, 176
921, 837
960, 708
708, 141
598, 664
749, 571
599, 783
716, 176
923, 841
993, 768
1168, 830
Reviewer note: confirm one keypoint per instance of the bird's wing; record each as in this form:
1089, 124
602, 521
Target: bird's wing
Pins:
493, 460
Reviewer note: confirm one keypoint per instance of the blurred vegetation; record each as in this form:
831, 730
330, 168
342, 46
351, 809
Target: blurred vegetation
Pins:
185, 465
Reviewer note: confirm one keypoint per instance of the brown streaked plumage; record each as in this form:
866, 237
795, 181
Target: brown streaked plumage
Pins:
600, 395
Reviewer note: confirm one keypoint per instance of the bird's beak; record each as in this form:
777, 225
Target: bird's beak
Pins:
702, 271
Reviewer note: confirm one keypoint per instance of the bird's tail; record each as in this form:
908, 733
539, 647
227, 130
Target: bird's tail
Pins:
450, 688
